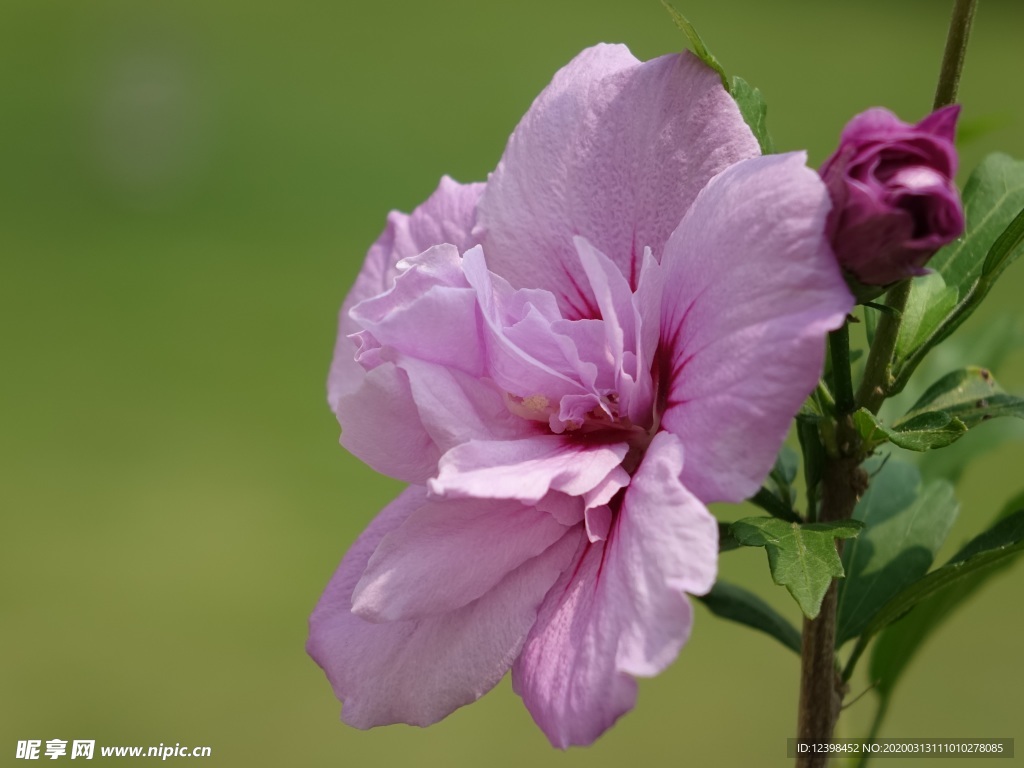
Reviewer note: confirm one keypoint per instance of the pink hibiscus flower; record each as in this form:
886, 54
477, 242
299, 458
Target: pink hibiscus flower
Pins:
567, 364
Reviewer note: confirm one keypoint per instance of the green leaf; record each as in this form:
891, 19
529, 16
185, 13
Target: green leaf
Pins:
905, 526
933, 429
987, 345
726, 541
931, 300
729, 601
802, 558
993, 196
754, 110
951, 463
696, 42
871, 315
990, 550
814, 458
777, 497
970, 395
1006, 248
992, 240
897, 645
780, 479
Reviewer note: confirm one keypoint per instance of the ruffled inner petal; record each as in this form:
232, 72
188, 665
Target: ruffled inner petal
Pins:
525, 469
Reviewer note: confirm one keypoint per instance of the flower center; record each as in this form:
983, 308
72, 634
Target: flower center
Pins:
587, 418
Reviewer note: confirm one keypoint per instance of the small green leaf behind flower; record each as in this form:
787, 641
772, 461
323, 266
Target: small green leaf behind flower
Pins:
802, 558
754, 109
696, 42
748, 98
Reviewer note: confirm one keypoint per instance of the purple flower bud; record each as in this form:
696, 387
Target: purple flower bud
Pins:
895, 203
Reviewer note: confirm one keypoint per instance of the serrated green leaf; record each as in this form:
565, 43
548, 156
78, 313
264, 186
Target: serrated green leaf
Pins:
927, 430
993, 200
970, 395
754, 110
696, 42
905, 526
729, 601
990, 550
802, 558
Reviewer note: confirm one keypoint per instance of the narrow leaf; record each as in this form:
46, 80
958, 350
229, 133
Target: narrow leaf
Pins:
931, 300
696, 42
814, 458
993, 196
898, 643
905, 526
871, 315
802, 558
774, 506
970, 395
1006, 248
987, 551
780, 479
987, 345
726, 541
729, 601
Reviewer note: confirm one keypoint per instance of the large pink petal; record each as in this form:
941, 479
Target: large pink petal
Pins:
751, 290
525, 469
447, 216
566, 672
615, 151
620, 610
666, 543
418, 672
449, 553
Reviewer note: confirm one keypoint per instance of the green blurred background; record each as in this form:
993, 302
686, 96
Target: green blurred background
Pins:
186, 191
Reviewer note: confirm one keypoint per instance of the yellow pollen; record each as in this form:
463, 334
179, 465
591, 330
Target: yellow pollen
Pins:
537, 404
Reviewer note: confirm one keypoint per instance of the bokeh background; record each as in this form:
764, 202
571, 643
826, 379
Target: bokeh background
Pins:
187, 189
